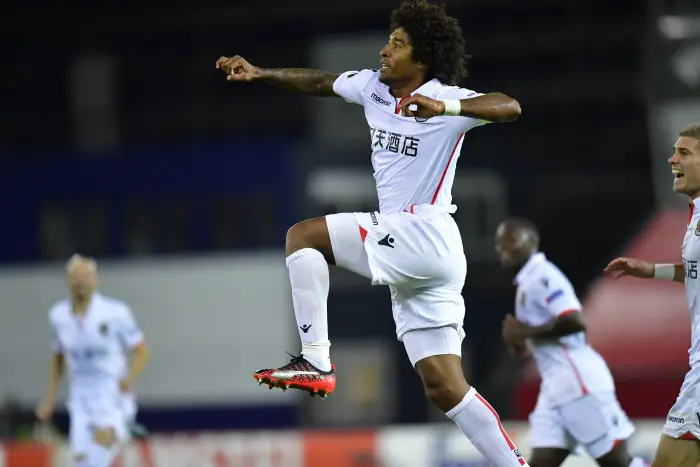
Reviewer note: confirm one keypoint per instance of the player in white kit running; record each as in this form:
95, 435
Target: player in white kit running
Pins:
90, 335
577, 406
417, 119
680, 442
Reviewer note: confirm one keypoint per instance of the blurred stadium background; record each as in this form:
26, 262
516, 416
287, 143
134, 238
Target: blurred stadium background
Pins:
119, 139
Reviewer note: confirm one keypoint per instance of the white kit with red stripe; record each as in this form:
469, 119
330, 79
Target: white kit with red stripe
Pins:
569, 367
412, 244
414, 159
577, 408
683, 420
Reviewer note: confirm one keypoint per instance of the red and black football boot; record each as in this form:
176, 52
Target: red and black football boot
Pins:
299, 374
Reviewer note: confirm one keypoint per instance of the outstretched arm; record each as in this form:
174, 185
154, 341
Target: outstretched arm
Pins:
620, 267
301, 80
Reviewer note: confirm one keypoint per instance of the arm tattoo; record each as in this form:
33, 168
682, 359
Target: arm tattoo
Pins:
302, 80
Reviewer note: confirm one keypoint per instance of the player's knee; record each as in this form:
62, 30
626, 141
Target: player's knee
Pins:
443, 380
547, 457
668, 460
664, 458
545, 461
105, 437
443, 394
311, 233
618, 456
614, 460
298, 236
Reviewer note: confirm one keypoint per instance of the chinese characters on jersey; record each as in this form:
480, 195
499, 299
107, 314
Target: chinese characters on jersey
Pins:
691, 268
394, 142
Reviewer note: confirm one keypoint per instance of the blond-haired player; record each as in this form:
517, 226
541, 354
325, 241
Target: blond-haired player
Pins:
680, 442
90, 335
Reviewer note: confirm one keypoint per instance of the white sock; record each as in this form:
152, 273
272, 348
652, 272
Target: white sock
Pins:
639, 462
481, 424
308, 275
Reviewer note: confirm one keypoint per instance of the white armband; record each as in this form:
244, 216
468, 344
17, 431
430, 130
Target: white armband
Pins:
666, 272
453, 107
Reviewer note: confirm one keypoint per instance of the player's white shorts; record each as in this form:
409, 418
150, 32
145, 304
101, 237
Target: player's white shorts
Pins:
684, 416
92, 410
594, 422
424, 343
418, 254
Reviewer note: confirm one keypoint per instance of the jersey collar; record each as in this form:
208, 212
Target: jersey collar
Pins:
531, 263
95, 298
428, 87
694, 206
425, 89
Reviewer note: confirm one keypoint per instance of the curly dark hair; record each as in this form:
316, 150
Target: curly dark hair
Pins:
436, 39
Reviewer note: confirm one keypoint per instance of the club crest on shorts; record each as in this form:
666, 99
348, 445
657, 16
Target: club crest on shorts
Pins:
522, 299
697, 228
104, 329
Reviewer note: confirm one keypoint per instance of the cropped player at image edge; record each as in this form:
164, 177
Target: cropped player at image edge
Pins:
680, 440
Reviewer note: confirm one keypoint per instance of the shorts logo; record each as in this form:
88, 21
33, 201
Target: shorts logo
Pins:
103, 329
387, 241
678, 420
697, 229
373, 216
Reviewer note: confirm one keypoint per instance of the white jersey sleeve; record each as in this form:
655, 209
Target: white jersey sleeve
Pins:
349, 85
557, 296
463, 123
128, 331
56, 345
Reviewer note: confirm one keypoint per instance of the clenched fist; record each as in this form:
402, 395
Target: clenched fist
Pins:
237, 68
425, 107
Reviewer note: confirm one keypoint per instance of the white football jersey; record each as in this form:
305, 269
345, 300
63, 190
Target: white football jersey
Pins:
691, 255
414, 159
94, 344
569, 366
